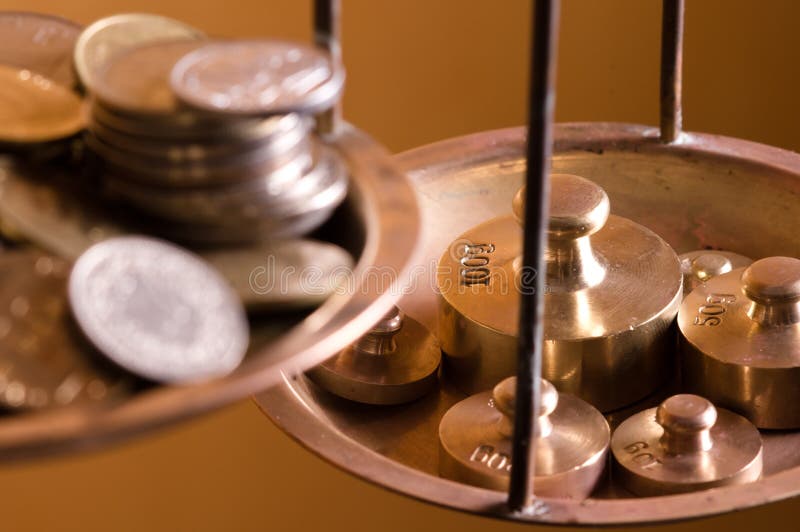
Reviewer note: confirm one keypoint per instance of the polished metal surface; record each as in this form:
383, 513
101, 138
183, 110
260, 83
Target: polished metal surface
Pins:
740, 341
378, 223
110, 36
681, 191
253, 78
572, 439
35, 109
396, 362
686, 444
701, 265
158, 310
40, 43
612, 290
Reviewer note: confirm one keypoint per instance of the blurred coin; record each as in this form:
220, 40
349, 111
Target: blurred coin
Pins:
110, 36
290, 190
40, 43
290, 274
277, 135
137, 79
44, 362
258, 78
34, 109
158, 310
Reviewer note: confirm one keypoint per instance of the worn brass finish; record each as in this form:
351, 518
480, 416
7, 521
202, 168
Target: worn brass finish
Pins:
685, 444
682, 191
741, 341
395, 362
612, 290
571, 445
701, 265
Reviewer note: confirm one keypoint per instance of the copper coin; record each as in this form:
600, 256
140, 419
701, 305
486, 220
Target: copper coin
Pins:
35, 109
40, 43
44, 361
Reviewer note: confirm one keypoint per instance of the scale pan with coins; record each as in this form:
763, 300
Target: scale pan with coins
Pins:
700, 193
376, 224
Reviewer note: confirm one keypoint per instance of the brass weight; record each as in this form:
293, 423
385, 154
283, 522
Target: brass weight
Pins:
572, 442
396, 362
740, 341
613, 289
701, 265
686, 444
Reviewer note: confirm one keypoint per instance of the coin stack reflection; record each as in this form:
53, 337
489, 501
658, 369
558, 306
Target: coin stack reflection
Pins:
206, 177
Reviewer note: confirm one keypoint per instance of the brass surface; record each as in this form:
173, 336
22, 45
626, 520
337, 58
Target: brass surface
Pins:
395, 362
571, 444
684, 445
683, 192
35, 109
701, 265
740, 337
612, 290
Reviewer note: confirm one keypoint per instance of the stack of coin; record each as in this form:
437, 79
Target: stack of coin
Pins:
226, 172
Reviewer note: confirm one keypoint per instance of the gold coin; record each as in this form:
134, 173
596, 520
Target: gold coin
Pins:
35, 109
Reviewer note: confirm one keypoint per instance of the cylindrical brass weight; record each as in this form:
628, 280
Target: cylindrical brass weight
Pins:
740, 341
701, 265
397, 361
686, 444
571, 443
613, 289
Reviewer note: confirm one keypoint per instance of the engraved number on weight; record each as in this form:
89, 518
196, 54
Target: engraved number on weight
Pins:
641, 457
475, 264
486, 455
711, 312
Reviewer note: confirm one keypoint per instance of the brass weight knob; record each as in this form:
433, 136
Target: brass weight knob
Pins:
686, 444
572, 442
700, 266
396, 362
740, 341
612, 287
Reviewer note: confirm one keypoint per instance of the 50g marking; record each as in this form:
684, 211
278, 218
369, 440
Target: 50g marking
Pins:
710, 314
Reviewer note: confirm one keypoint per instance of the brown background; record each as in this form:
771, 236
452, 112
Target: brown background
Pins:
418, 71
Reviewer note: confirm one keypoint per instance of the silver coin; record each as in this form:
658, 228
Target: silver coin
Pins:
107, 37
279, 134
40, 43
258, 78
290, 191
290, 274
158, 310
136, 81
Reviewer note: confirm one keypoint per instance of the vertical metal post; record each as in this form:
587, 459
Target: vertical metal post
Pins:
327, 33
537, 191
671, 69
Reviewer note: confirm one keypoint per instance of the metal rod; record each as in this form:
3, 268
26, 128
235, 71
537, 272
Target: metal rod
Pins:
327, 32
671, 69
537, 191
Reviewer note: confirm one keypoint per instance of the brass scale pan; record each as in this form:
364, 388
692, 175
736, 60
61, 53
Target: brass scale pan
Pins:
684, 191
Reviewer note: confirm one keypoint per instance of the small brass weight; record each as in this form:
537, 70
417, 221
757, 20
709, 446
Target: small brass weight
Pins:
686, 444
397, 361
740, 341
612, 291
571, 442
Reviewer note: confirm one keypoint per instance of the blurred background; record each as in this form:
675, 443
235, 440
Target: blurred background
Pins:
418, 71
